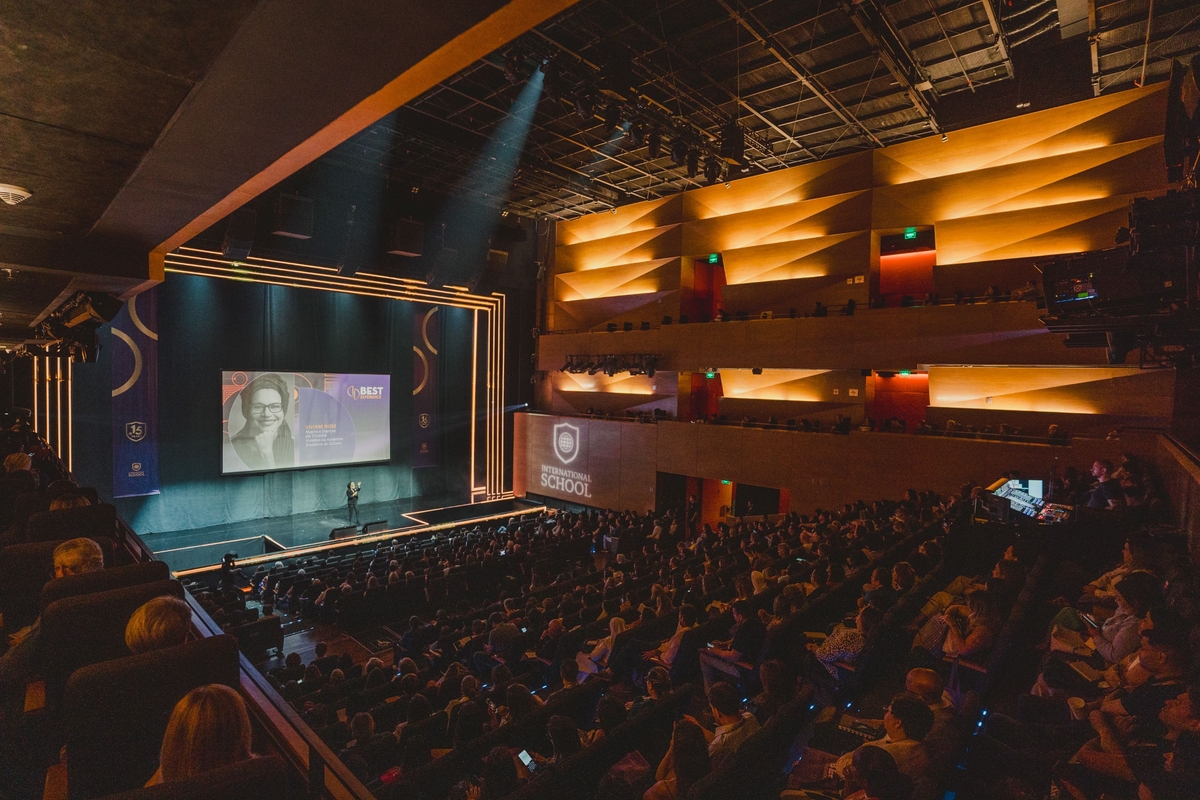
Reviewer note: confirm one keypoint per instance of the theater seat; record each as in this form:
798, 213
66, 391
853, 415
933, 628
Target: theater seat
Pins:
24, 570
77, 631
115, 713
103, 581
258, 777
256, 638
69, 523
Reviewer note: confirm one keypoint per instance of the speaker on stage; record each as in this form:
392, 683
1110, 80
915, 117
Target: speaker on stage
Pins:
377, 526
342, 533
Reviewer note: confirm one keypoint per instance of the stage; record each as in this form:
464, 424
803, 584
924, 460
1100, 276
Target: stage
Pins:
202, 547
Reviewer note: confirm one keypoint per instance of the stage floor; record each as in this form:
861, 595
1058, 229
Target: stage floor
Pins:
202, 546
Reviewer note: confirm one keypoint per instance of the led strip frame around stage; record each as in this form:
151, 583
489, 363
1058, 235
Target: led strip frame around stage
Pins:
53, 409
354, 541
211, 264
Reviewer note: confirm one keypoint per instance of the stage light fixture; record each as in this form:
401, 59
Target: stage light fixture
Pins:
756, 371
612, 116
635, 135
945, 138
650, 364
610, 366
585, 106
693, 163
552, 80
512, 69
654, 144
593, 367
733, 143
679, 152
712, 170
567, 366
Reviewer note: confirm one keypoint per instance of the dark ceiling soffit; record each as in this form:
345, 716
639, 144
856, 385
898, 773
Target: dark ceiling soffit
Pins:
293, 68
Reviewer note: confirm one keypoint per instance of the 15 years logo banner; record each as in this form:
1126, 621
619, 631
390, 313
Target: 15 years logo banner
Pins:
135, 397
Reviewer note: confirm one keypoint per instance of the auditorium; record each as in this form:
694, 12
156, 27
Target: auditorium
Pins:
600, 400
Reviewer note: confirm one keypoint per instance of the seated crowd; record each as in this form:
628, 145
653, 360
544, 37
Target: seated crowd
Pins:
622, 655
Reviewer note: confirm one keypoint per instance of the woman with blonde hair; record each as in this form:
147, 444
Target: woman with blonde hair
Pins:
209, 728
593, 662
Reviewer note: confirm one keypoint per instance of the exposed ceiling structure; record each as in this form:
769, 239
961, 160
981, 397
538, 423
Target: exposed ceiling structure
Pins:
803, 80
137, 125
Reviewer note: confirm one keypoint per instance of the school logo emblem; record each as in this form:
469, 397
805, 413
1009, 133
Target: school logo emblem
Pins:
423, 420
135, 431
137, 466
566, 442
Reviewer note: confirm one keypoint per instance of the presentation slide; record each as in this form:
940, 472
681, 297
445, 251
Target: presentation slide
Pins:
291, 420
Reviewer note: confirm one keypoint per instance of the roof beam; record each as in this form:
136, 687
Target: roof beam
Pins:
873, 24
702, 72
807, 79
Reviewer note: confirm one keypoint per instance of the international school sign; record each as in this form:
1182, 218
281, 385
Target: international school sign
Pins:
566, 481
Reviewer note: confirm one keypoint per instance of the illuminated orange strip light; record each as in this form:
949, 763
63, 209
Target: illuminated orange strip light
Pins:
209, 264
357, 541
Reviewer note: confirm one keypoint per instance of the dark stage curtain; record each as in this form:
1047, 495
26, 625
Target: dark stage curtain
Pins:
208, 325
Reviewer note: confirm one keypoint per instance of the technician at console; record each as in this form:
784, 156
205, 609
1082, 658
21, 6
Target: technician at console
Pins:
265, 441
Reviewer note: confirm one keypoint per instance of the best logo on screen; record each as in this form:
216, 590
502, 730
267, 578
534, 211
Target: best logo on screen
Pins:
365, 392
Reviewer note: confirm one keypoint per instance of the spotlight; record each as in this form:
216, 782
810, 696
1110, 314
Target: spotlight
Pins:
551, 82
635, 135
712, 170
945, 138
733, 143
693, 163
512, 69
593, 367
584, 105
679, 153
654, 144
650, 365
610, 366
567, 366
612, 116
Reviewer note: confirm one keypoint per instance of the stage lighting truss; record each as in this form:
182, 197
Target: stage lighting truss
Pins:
612, 364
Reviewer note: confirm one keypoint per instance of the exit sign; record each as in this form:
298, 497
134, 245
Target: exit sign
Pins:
713, 258
910, 233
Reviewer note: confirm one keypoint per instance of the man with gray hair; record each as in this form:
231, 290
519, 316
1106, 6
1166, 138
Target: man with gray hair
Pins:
77, 557
72, 557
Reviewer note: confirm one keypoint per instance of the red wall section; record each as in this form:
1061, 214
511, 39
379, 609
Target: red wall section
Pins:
904, 396
906, 273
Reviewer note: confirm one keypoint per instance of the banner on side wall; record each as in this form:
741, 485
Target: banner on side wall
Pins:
425, 386
135, 397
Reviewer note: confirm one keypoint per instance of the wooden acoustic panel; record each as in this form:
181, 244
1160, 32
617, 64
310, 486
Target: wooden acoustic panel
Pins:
645, 277
620, 249
808, 219
633, 218
1090, 174
1095, 123
782, 187
1127, 391
1034, 232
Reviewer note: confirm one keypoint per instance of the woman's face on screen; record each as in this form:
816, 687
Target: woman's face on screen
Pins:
266, 409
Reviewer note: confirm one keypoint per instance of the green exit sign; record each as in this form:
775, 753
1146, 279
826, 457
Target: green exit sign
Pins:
713, 258
710, 374
726, 483
910, 233
905, 373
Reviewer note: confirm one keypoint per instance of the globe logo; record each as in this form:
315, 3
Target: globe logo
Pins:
566, 442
